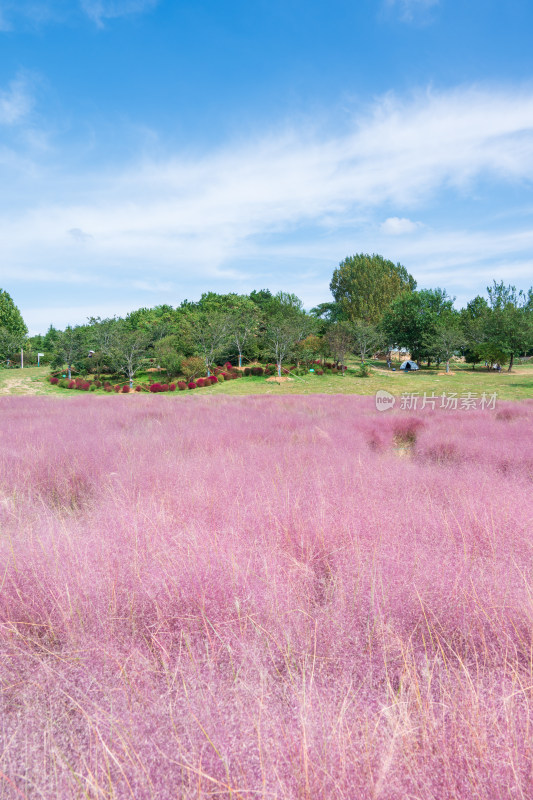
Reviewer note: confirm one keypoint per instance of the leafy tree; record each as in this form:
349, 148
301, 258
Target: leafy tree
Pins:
192, 367
364, 286
166, 351
340, 339
367, 338
446, 339
210, 332
411, 320
510, 323
127, 351
473, 320
309, 349
70, 348
10, 317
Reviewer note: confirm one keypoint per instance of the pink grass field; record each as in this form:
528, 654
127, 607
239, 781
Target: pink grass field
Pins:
265, 598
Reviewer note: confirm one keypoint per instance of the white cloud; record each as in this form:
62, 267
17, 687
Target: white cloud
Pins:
287, 198
397, 226
100, 10
16, 102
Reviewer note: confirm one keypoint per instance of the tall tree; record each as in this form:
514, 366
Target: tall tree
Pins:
13, 329
510, 324
364, 286
127, 350
70, 348
367, 338
339, 337
209, 331
411, 320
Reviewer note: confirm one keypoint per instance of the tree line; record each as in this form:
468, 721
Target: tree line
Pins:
376, 307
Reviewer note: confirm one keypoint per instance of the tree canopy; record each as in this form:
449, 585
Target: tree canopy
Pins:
364, 286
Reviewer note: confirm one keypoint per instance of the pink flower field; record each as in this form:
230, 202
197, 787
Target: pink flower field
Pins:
275, 598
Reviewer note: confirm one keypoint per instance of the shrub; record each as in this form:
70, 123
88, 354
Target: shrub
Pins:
182, 385
155, 387
71, 385
164, 387
213, 379
85, 386
191, 385
117, 387
108, 388
228, 365
220, 378
200, 383
125, 389
138, 388
319, 371
172, 387
192, 367
364, 370
98, 384
247, 371
92, 388
54, 381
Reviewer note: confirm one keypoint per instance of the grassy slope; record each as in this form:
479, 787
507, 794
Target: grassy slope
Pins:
517, 385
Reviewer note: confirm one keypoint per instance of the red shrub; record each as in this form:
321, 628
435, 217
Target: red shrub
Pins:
164, 387
138, 388
228, 365
182, 385
54, 381
200, 383
213, 379
117, 388
191, 385
156, 387
72, 385
172, 387
125, 389
108, 388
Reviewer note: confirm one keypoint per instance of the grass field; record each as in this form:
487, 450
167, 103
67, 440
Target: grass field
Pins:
285, 598
516, 385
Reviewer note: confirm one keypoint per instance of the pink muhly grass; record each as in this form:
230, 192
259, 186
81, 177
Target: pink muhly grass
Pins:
304, 615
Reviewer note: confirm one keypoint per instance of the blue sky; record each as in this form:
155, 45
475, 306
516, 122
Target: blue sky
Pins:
154, 149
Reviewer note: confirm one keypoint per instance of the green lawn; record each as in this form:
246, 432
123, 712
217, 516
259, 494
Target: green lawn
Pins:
516, 385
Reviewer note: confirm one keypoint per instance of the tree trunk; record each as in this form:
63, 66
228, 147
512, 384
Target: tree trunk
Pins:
69, 373
511, 363
447, 365
279, 369
240, 360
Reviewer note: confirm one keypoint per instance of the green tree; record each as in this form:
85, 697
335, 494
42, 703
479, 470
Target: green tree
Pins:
473, 319
411, 320
340, 340
510, 323
13, 329
364, 286
70, 348
367, 338
166, 351
209, 332
10, 317
127, 351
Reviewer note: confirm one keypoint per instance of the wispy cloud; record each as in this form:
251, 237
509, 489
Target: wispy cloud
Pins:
411, 10
16, 102
291, 198
100, 10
